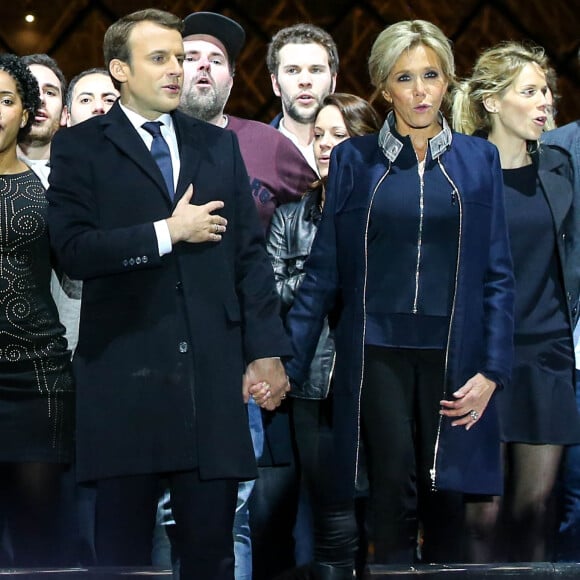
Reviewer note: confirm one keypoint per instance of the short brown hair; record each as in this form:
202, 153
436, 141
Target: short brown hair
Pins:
116, 40
301, 33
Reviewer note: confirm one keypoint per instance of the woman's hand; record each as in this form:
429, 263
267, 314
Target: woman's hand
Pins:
470, 401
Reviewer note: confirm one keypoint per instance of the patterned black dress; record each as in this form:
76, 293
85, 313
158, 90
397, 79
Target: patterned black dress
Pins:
36, 385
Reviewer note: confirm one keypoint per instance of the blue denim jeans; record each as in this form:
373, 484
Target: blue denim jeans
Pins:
242, 538
568, 539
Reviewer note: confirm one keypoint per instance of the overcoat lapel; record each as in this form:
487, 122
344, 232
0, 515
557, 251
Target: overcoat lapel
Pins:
190, 152
119, 130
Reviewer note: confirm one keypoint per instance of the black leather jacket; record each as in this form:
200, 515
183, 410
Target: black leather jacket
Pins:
289, 240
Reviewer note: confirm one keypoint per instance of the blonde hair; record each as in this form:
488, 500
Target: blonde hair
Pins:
404, 35
494, 72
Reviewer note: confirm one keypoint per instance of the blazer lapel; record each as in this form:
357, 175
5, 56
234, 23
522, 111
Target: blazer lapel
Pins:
190, 151
559, 197
119, 130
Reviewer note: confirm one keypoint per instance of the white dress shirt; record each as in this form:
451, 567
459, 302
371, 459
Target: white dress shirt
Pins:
168, 132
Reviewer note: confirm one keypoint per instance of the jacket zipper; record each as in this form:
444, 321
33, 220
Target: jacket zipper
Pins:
421, 171
365, 317
330, 375
455, 197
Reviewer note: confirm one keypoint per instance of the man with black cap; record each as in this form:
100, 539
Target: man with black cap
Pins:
278, 174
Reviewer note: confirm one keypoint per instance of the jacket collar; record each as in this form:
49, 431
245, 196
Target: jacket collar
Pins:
391, 145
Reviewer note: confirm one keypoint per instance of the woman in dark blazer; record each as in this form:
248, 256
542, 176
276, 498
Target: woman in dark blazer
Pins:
508, 99
413, 248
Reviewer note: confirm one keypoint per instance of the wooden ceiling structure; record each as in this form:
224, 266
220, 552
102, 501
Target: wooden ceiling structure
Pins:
71, 31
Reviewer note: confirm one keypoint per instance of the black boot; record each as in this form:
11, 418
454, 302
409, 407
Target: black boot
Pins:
326, 572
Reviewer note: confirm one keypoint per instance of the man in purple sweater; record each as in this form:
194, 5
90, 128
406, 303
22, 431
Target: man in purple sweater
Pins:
278, 172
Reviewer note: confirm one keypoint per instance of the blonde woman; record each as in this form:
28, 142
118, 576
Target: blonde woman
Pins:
508, 100
412, 249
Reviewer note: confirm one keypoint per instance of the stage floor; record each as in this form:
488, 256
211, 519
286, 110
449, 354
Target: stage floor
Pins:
536, 571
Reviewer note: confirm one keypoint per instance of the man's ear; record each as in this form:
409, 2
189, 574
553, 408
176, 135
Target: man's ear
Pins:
118, 70
275, 86
64, 117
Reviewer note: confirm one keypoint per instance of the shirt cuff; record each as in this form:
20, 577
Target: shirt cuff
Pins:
163, 238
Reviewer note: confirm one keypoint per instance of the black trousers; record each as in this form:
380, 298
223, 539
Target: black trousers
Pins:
203, 512
335, 526
399, 414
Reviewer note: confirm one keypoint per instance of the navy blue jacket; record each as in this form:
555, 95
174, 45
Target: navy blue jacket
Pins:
481, 328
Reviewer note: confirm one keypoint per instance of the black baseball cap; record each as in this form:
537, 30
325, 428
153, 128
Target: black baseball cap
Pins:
226, 30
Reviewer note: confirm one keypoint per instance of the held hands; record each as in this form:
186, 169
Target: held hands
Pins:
470, 401
196, 223
266, 382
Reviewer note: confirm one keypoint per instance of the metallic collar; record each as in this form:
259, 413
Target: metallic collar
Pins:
391, 145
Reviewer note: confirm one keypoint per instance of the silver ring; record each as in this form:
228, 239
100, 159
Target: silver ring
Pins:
217, 228
474, 414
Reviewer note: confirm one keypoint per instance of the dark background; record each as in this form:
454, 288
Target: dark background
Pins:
72, 33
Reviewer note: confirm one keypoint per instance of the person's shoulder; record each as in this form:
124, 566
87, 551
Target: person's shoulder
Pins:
564, 136
81, 133
236, 124
472, 141
359, 145
182, 120
472, 146
288, 210
250, 129
553, 157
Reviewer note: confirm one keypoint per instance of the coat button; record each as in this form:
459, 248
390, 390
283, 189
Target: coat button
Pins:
574, 311
183, 347
569, 296
564, 236
178, 286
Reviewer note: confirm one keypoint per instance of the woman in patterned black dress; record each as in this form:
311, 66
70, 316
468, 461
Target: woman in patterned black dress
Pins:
36, 386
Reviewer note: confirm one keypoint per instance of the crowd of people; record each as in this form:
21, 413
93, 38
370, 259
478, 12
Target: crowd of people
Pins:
255, 351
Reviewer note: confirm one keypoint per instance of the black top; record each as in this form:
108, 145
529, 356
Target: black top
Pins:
540, 305
412, 252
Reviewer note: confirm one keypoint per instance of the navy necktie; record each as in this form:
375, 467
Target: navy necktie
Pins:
161, 154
